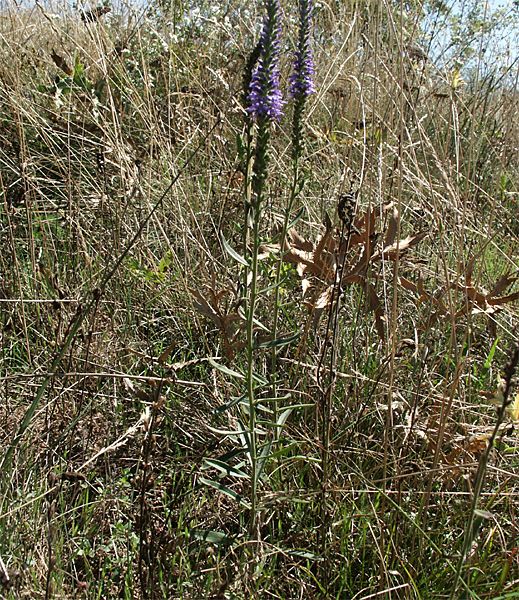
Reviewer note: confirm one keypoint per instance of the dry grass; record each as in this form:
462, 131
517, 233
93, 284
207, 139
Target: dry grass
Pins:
118, 170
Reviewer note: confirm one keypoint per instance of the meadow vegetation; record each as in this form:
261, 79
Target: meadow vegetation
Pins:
255, 355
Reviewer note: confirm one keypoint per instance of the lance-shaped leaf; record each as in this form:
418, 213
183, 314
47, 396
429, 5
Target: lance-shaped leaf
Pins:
225, 490
211, 537
223, 467
226, 370
232, 252
265, 452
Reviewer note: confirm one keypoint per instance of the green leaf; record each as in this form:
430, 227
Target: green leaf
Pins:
305, 554
225, 490
259, 379
490, 356
280, 341
259, 406
245, 439
212, 537
483, 514
229, 432
279, 399
225, 369
242, 314
282, 419
234, 453
262, 460
297, 218
265, 452
273, 286
232, 252
284, 451
225, 468
233, 402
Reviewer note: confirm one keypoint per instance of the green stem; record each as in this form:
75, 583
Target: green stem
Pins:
258, 185
297, 150
284, 231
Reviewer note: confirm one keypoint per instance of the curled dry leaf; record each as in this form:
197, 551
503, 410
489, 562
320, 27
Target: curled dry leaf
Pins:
473, 300
322, 302
396, 249
350, 257
481, 301
502, 284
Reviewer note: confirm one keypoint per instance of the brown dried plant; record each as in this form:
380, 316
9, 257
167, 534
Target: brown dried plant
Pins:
474, 300
214, 304
333, 260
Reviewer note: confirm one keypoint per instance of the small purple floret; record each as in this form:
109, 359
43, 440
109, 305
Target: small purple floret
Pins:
302, 78
265, 98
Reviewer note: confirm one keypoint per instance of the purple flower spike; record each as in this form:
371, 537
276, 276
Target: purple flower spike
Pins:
301, 80
265, 98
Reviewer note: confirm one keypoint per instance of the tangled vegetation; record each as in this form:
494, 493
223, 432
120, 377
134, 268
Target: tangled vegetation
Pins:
259, 329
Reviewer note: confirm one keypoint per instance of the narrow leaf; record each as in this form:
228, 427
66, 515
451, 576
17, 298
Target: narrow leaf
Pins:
225, 369
305, 554
490, 357
282, 419
233, 402
262, 460
224, 431
232, 252
245, 439
297, 218
212, 537
225, 490
280, 341
259, 379
276, 399
225, 468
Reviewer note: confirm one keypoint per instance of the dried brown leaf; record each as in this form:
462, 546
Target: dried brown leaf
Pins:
408, 285
299, 242
61, 63
502, 284
400, 246
469, 269
325, 299
167, 353
503, 299
392, 228
318, 306
375, 306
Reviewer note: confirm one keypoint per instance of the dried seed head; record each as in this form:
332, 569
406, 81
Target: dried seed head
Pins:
346, 208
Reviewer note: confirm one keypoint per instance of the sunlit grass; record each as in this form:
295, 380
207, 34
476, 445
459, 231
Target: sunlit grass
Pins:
123, 166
